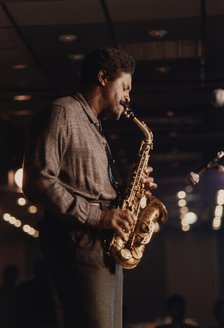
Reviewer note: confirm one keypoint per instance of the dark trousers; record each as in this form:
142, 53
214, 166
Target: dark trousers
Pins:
88, 283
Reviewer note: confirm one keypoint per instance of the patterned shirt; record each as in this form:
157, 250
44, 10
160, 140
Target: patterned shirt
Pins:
66, 166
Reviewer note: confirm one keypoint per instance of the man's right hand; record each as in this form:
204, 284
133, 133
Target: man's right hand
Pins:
118, 220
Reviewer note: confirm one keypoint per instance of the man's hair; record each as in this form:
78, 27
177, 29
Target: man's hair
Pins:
110, 60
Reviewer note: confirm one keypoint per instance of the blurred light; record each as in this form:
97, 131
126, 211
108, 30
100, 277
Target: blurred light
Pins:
216, 223
21, 201
6, 216
186, 227
18, 223
170, 113
22, 97
157, 34
184, 210
20, 66
18, 177
182, 202
12, 220
67, 38
163, 69
218, 211
190, 218
32, 209
75, 57
189, 189
220, 197
11, 178
217, 98
181, 194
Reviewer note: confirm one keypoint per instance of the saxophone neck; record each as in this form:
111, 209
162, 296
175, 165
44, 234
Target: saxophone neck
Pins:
128, 114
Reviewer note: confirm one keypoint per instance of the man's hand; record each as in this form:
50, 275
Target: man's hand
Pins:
121, 221
148, 181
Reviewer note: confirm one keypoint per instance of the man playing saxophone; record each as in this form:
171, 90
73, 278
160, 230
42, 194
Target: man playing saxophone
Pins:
67, 172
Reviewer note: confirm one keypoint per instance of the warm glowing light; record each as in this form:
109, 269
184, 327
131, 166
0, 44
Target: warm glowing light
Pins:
216, 223
76, 57
18, 177
67, 38
157, 34
21, 201
190, 218
20, 66
18, 223
22, 97
36, 234
26, 228
12, 220
218, 211
181, 194
32, 209
184, 210
6, 216
182, 202
186, 227
220, 197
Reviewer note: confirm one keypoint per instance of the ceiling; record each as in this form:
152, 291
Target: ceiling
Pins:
177, 71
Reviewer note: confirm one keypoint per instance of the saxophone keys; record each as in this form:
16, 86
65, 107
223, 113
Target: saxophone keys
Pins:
125, 254
137, 253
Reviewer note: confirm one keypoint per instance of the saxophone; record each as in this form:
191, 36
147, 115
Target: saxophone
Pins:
129, 252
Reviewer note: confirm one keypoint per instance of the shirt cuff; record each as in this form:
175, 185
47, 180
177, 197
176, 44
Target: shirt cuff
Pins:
94, 214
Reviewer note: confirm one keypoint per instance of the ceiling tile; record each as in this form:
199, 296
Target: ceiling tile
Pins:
56, 12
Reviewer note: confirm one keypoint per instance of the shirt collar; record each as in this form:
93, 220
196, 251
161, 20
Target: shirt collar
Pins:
87, 109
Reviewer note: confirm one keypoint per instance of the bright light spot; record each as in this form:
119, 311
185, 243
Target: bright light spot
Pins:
18, 223
22, 97
32, 209
18, 177
186, 227
184, 210
12, 220
6, 216
31, 231
21, 201
182, 202
220, 197
36, 234
190, 218
181, 194
216, 223
26, 228
218, 210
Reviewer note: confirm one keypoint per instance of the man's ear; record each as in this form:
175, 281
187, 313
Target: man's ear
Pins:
102, 78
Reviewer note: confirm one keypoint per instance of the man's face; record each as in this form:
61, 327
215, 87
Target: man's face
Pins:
115, 92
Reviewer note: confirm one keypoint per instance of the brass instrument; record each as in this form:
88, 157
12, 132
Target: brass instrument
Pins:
129, 252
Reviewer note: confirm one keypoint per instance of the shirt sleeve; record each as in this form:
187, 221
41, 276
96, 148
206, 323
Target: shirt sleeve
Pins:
46, 145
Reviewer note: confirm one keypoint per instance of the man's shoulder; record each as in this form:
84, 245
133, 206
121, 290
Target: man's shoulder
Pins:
66, 101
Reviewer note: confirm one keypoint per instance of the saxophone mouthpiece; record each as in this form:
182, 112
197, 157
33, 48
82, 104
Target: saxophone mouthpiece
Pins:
127, 113
125, 104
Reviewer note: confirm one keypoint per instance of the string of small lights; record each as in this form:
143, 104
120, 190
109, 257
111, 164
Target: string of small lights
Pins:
17, 223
